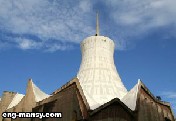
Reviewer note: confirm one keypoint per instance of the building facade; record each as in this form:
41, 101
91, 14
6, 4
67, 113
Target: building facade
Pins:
96, 94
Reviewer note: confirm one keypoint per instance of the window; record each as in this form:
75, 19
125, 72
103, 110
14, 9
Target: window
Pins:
166, 119
48, 106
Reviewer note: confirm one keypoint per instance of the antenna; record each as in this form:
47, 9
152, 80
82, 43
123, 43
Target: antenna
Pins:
97, 26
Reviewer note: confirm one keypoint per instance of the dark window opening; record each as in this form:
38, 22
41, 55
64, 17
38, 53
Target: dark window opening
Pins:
48, 106
166, 119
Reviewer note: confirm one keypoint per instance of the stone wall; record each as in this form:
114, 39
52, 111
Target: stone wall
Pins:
68, 101
5, 101
25, 105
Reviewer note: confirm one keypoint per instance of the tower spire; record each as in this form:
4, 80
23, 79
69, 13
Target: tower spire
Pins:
97, 26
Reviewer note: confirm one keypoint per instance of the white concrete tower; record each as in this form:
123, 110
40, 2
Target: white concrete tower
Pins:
97, 75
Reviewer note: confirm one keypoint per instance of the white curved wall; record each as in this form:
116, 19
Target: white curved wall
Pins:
98, 76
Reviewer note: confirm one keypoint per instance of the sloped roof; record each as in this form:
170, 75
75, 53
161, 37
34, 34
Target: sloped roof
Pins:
115, 100
130, 98
154, 98
17, 98
76, 81
142, 85
39, 94
93, 104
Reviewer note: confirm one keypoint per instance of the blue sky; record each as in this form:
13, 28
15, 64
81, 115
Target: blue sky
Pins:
40, 39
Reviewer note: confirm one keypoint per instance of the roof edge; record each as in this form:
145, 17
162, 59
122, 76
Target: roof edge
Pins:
154, 98
152, 95
115, 100
72, 81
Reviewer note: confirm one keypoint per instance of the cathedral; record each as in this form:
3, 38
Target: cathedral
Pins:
97, 92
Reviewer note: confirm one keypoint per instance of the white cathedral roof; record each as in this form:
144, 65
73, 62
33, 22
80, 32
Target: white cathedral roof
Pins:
97, 75
91, 101
17, 98
39, 95
130, 98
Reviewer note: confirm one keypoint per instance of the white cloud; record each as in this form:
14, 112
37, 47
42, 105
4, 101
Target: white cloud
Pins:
59, 20
85, 5
140, 17
25, 44
171, 95
143, 11
72, 21
56, 47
